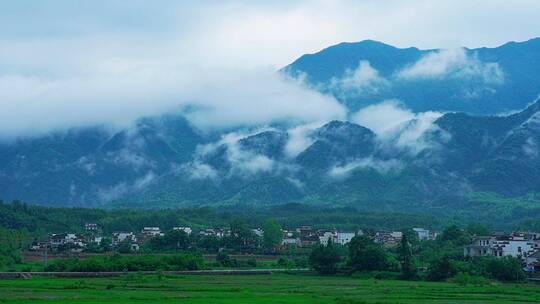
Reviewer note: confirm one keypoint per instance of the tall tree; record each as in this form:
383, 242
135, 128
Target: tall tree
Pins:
272, 235
324, 259
365, 255
405, 256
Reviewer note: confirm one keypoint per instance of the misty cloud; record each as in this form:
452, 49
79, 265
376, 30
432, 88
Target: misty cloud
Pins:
300, 138
396, 126
198, 170
453, 63
530, 148
360, 81
209, 98
118, 190
381, 166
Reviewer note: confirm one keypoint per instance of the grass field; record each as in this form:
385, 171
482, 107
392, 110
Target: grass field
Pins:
275, 288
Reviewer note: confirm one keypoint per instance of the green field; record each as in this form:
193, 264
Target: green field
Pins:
275, 288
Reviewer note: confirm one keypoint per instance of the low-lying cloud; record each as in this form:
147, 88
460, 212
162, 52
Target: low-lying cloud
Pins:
396, 126
453, 63
363, 80
210, 98
381, 166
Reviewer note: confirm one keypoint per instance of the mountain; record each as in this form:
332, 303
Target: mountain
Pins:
82, 167
166, 162
465, 162
477, 81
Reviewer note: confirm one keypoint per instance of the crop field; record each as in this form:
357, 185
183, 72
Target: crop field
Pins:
274, 288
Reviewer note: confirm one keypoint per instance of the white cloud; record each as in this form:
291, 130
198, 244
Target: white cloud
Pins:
530, 148
122, 188
213, 98
244, 163
299, 138
382, 166
68, 64
453, 63
144, 181
397, 126
383, 118
362, 80
198, 170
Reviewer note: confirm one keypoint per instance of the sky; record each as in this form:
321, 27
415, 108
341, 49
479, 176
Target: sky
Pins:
70, 63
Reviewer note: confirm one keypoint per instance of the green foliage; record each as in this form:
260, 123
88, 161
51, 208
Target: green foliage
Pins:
366, 255
172, 240
124, 247
455, 235
502, 269
11, 243
177, 262
223, 259
464, 279
405, 258
272, 235
324, 259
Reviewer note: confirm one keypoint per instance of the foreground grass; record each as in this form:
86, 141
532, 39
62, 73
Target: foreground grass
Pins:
276, 288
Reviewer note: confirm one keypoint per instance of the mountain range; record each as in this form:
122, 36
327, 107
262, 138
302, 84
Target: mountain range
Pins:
479, 81
461, 157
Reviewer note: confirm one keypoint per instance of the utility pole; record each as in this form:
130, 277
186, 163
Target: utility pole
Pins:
46, 254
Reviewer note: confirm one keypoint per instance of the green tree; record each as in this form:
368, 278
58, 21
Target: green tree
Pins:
455, 235
324, 259
176, 240
441, 268
365, 255
478, 229
124, 247
272, 235
242, 238
405, 257
223, 258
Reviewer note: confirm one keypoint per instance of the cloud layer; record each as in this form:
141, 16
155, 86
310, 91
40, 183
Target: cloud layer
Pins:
68, 64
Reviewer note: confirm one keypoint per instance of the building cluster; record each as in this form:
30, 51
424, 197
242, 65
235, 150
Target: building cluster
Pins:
304, 236
307, 236
522, 245
76, 242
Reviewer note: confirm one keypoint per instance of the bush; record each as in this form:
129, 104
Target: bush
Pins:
464, 279
502, 269
324, 259
379, 275
366, 255
223, 259
177, 262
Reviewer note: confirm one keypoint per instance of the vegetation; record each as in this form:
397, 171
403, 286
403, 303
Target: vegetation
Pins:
272, 235
177, 262
242, 289
325, 259
365, 255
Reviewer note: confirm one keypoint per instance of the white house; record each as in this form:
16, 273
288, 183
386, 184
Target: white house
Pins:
326, 235
480, 246
90, 227
500, 246
344, 237
151, 231
515, 246
185, 229
119, 237
289, 241
66, 238
258, 231
423, 234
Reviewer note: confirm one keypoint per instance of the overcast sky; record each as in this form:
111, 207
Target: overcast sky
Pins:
66, 63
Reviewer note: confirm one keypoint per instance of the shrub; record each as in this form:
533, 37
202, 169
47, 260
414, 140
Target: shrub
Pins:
464, 279
324, 259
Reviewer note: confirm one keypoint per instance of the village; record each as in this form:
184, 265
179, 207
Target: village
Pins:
522, 245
